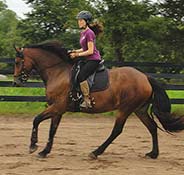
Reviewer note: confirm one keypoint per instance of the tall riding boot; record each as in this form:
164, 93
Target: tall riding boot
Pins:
85, 90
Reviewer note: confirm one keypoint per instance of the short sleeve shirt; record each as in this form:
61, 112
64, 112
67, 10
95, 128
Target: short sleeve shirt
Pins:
89, 36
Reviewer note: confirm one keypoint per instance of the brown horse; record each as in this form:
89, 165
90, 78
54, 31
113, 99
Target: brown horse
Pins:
129, 91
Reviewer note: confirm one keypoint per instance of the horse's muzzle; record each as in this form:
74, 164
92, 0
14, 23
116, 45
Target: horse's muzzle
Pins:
17, 82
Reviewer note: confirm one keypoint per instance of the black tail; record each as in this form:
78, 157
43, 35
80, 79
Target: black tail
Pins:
161, 107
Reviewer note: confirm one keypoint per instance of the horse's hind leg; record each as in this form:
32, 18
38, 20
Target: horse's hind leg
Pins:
143, 115
118, 127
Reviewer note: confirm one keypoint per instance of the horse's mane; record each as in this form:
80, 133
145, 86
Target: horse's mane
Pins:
55, 47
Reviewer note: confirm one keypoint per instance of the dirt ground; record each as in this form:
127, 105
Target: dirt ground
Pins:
76, 138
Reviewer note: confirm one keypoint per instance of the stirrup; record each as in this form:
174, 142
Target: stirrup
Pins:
85, 104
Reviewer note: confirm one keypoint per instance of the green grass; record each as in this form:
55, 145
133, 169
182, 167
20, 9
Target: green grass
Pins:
22, 107
33, 108
177, 94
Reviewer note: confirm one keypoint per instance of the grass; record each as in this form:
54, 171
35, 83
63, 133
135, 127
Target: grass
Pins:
33, 108
22, 107
176, 94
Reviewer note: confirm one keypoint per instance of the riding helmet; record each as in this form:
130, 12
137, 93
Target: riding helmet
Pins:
86, 15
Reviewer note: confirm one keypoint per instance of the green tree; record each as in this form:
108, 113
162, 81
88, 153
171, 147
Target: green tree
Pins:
53, 19
134, 30
121, 19
8, 32
147, 40
2, 6
173, 11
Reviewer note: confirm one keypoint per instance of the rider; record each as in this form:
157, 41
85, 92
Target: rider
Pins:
88, 51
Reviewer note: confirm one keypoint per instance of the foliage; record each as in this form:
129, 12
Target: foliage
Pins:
121, 21
174, 11
52, 19
134, 30
2, 6
8, 31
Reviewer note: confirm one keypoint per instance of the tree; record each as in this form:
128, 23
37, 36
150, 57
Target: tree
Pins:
121, 19
2, 6
53, 19
173, 9
8, 32
134, 30
174, 12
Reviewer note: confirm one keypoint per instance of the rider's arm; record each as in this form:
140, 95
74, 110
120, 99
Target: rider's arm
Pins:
78, 50
82, 53
87, 52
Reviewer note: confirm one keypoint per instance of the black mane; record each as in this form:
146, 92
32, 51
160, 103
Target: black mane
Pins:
54, 47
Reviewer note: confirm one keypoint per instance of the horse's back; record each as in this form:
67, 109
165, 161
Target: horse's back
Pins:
130, 82
127, 75
126, 70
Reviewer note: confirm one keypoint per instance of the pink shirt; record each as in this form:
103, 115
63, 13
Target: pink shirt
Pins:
85, 37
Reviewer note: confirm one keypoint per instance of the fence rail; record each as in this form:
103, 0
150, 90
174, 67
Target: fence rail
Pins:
43, 99
169, 86
41, 85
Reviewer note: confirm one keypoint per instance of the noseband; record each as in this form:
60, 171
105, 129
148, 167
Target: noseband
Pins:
23, 75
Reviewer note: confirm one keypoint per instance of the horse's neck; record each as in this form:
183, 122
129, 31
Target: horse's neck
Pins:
50, 67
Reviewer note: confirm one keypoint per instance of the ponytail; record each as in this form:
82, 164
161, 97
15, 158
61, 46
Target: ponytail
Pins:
96, 27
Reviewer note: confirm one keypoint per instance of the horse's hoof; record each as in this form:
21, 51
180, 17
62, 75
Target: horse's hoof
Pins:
42, 155
33, 148
92, 156
151, 155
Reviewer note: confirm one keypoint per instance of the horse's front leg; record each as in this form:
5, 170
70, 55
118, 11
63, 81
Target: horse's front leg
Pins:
53, 128
34, 136
48, 113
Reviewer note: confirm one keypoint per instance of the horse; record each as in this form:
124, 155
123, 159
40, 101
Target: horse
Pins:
129, 91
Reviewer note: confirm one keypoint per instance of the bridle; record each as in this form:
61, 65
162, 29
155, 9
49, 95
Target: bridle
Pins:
23, 75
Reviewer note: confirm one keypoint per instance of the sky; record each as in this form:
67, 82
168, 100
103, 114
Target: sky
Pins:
18, 6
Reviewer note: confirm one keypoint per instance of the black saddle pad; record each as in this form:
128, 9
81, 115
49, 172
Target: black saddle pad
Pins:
101, 81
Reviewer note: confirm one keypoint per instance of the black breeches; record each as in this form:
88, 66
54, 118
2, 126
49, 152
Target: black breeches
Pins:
88, 69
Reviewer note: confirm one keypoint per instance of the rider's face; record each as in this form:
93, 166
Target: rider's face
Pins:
82, 23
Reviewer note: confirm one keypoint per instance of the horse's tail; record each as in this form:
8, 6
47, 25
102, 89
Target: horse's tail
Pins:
161, 108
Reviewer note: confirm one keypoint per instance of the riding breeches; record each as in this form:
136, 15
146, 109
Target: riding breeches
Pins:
88, 69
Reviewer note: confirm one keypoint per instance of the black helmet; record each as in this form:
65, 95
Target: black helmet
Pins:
86, 15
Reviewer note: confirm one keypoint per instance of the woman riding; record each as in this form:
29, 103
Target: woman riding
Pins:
88, 51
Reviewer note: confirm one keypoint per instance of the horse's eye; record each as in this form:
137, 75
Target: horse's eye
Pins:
17, 63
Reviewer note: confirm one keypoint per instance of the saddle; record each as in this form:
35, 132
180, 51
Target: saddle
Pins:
98, 81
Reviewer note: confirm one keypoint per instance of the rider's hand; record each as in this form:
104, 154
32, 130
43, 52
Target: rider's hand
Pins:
74, 55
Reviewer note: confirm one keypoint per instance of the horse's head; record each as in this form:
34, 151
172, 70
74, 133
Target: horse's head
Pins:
41, 56
22, 68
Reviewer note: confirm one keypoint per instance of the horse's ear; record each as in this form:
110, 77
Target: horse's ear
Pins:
16, 48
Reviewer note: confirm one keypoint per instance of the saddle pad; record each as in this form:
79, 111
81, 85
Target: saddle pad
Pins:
101, 81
